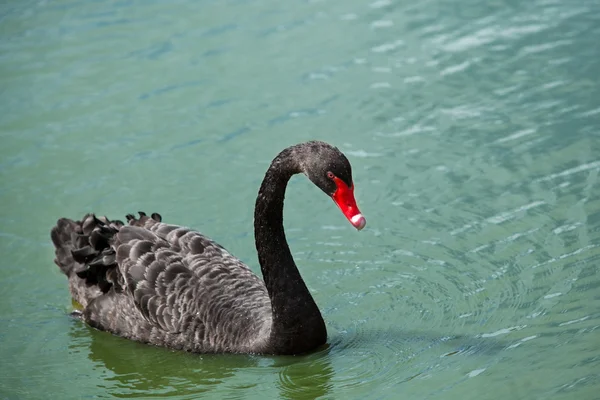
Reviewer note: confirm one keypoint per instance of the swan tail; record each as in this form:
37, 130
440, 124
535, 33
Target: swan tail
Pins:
84, 254
66, 236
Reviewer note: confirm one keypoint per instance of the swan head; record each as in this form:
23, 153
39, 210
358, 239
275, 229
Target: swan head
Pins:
329, 169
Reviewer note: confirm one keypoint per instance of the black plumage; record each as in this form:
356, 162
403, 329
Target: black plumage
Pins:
171, 286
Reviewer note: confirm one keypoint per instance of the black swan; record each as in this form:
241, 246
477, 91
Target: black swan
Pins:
171, 286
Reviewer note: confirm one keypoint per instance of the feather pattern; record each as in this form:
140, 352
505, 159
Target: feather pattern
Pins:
171, 286
157, 283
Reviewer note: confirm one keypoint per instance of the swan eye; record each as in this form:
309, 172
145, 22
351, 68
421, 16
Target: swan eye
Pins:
330, 175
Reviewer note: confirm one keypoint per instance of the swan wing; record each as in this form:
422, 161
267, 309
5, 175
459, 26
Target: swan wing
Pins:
182, 281
188, 290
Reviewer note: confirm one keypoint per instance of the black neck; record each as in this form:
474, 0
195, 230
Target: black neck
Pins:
297, 322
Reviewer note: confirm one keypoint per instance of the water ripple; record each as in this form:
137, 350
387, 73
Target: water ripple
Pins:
473, 135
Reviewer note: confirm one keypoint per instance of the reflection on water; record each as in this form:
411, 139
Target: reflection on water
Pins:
139, 370
384, 358
305, 377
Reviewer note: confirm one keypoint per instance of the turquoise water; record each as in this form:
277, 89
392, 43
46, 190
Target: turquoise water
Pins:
473, 130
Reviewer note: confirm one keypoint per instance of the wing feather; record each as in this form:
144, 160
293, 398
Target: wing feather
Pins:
163, 284
180, 280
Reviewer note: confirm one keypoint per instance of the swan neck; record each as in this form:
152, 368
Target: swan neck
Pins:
297, 323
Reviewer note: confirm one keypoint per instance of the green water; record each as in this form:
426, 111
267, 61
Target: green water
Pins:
473, 130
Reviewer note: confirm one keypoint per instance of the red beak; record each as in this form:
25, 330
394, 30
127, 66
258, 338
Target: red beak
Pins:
344, 198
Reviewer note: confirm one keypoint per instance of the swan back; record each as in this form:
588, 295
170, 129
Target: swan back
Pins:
169, 285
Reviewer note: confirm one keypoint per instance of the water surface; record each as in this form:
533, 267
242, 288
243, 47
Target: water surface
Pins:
472, 128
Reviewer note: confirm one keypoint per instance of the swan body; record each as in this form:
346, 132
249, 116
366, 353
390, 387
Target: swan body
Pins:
171, 286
